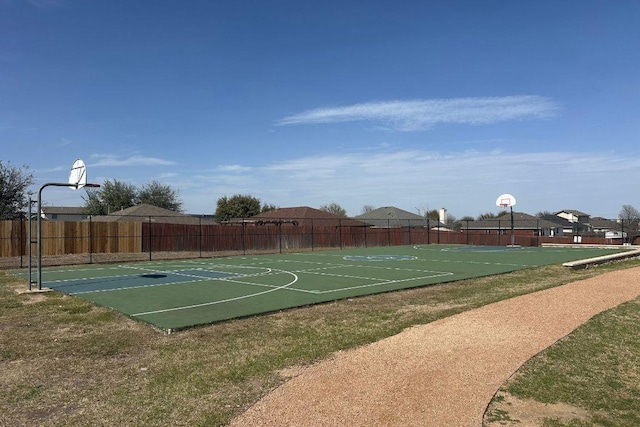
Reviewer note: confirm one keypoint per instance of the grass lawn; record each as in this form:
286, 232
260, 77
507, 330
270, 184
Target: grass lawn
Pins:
590, 378
64, 361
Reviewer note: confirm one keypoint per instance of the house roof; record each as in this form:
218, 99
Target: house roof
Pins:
390, 216
63, 210
603, 223
146, 212
304, 215
521, 221
560, 221
572, 212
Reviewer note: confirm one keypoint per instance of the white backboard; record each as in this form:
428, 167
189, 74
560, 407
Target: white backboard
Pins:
78, 175
506, 200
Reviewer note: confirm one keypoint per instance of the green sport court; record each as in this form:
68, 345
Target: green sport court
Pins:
182, 293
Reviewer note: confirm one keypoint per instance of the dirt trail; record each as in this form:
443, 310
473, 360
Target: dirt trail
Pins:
443, 373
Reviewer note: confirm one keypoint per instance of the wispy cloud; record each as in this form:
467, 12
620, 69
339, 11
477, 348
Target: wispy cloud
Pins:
233, 168
111, 160
466, 183
418, 115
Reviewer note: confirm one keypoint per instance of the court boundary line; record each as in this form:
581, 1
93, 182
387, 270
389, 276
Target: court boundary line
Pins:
216, 302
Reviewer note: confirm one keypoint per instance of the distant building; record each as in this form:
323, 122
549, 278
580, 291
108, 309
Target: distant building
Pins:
63, 213
302, 215
523, 224
149, 213
392, 217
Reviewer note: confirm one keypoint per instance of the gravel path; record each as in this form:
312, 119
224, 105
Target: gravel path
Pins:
443, 373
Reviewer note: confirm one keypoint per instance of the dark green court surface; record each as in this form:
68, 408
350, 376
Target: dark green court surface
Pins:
183, 293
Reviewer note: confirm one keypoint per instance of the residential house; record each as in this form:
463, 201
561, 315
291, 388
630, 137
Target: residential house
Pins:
392, 217
63, 213
149, 213
579, 221
302, 215
523, 224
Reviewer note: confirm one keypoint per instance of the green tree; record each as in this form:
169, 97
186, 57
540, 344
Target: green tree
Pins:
111, 196
160, 195
268, 207
237, 206
14, 193
93, 204
335, 209
432, 214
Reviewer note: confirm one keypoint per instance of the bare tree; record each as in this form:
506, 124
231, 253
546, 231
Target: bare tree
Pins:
335, 209
367, 209
488, 215
542, 214
629, 218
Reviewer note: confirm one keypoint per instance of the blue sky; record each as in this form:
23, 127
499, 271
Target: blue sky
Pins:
414, 104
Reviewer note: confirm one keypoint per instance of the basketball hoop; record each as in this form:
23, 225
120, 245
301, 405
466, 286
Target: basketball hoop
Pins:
77, 179
506, 201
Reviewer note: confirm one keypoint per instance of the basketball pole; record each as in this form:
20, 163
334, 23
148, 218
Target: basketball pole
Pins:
39, 225
513, 236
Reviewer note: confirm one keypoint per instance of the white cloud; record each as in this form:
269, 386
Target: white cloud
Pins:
418, 115
233, 168
111, 160
466, 183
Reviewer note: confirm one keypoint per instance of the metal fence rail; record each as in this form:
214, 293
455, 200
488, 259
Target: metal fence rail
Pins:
145, 238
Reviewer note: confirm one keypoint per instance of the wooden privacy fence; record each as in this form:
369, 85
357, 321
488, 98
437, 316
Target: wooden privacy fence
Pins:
151, 235
71, 237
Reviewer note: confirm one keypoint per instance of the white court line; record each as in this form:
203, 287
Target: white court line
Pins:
264, 285
195, 278
157, 285
166, 310
389, 282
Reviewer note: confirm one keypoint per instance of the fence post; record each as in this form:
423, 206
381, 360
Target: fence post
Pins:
200, 236
312, 236
90, 241
149, 234
340, 232
21, 237
365, 235
467, 232
244, 244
